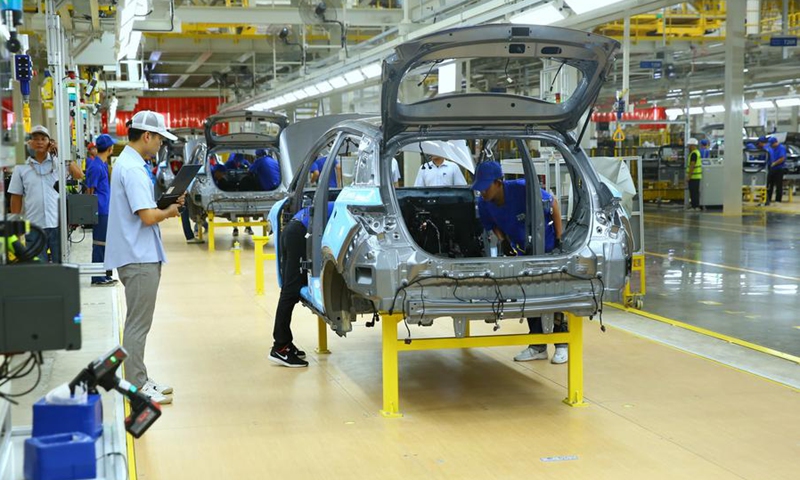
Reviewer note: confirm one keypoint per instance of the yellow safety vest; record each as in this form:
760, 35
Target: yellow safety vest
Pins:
694, 170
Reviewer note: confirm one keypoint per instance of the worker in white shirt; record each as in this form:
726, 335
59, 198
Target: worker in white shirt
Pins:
439, 172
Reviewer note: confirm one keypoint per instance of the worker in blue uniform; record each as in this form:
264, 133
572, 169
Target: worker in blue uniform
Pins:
237, 162
335, 179
502, 210
705, 152
292, 253
777, 168
97, 183
266, 171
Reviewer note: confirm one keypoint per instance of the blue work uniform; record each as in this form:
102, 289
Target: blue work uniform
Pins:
97, 178
775, 154
317, 167
129, 240
268, 172
705, 153
510, 218
237, 162
303, 217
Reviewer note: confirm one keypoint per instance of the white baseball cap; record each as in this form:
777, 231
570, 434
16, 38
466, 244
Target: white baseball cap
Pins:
40, 129
692, 141
151, 122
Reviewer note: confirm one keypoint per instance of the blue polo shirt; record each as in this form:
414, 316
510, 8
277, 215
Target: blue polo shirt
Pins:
97, 178
705, 153
128, 239
303, 217
268, 172
317, 167
510, 218
775, 154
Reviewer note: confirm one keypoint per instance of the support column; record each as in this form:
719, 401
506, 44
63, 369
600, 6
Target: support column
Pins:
734, 97
626, 62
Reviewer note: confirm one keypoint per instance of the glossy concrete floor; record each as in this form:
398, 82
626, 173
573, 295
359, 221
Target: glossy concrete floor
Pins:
737, 276
654, 411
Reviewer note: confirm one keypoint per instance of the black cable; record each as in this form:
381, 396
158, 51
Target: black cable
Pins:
37, 363
433, 64
69, 237
556, 75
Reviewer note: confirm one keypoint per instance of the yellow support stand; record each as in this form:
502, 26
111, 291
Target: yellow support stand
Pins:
322, 337
392, 346
260, 256
237, 224
237, 259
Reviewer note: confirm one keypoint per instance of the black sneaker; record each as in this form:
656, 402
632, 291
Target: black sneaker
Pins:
235, 232
248, 230
287, 358
297, 351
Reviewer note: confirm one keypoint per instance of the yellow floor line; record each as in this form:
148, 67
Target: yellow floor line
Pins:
697, 355
728, 267
720, 336
132, 474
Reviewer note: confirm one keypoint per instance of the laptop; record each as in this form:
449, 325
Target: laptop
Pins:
182, 181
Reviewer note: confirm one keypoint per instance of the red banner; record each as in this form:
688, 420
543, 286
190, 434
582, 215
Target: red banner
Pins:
179, 112
654, 113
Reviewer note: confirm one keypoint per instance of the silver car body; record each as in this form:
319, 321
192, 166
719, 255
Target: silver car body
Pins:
364, 258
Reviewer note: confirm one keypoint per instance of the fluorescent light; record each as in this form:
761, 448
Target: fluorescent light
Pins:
447, 78
338, 82
715, 109
354, 76
788, 102
311, 91
372, 70
695, 110
324, 86
745, 106
543, 15
290, 97
252, 108
300, 94
674, 112
695, 92
762, 104
583, 6
281, 100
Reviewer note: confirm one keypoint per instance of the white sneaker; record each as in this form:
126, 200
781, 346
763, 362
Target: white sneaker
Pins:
154, 394
195, 241
561, 356
160, 388
531, 354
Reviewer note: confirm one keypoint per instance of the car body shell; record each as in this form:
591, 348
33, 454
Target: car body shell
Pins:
364, 259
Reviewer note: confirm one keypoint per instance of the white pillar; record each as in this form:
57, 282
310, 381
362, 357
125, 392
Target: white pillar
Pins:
734, 97
626, 62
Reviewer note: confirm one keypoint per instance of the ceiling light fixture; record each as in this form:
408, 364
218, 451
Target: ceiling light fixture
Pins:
761, 104
323, 86
372, 70
583, 6
788, 102
715, 109
354, 76
543, 15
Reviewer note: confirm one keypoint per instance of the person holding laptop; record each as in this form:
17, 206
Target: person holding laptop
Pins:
133, 242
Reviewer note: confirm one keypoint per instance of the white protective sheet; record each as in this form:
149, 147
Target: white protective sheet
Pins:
614, 172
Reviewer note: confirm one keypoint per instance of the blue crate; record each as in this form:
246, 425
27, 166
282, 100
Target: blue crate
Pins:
52, 419
66, 456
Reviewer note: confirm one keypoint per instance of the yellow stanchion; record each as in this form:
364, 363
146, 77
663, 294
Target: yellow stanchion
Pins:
322, 337
237, 259
260, 256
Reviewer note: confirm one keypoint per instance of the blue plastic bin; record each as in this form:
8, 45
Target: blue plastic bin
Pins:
66, 456
53, 419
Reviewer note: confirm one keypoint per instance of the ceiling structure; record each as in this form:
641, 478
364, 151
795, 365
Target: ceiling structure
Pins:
251, 51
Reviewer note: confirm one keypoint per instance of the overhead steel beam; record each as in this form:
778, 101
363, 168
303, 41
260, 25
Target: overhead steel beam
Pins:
95, 12
357, 17
613, 12
190, 45
192, 68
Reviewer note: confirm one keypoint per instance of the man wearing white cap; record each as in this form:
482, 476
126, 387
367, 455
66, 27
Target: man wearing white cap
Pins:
133, 242
33, 189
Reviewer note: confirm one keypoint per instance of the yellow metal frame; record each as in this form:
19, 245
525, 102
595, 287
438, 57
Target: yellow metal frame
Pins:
392, 346
212, 225
260, 257
635, 288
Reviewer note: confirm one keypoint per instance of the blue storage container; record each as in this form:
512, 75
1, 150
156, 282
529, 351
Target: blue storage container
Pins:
52, 419
66, 456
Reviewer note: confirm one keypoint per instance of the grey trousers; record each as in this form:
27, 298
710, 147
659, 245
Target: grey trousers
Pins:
141, 287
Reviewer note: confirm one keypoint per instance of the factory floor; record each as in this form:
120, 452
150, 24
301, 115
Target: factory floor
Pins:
663, 402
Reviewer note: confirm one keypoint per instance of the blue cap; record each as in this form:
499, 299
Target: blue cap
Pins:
762, 139
103, 142
261, 152
772, 140
704, 142
486, 173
